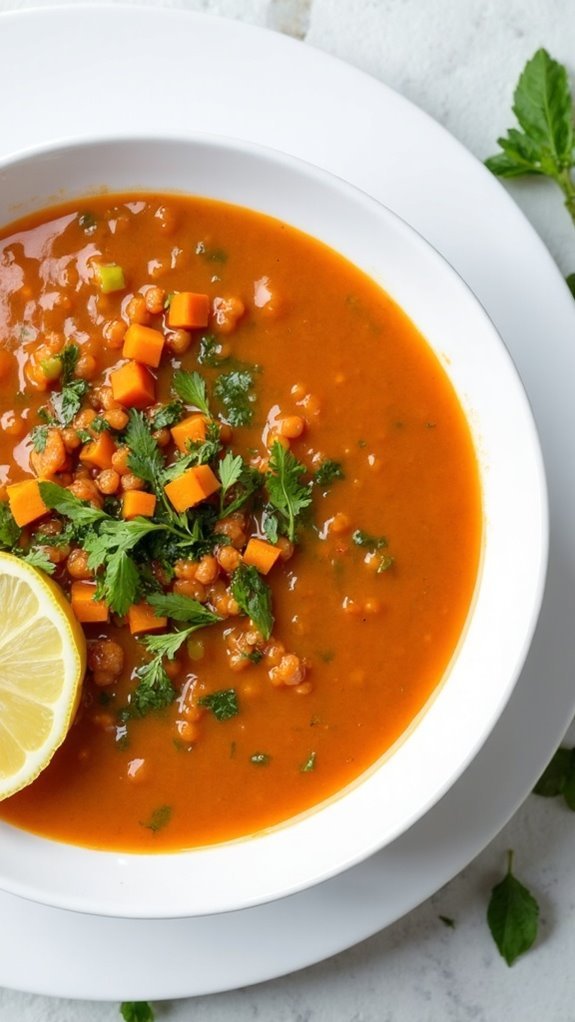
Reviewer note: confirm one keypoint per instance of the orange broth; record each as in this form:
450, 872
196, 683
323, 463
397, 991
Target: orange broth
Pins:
333, 350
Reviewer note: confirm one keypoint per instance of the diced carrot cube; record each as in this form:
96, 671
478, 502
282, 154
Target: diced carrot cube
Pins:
262, 555
25, 501
85, 607
143, 344
141, 618
194, 485
136, 503
133, 385
188, 310
99, 452
192, 428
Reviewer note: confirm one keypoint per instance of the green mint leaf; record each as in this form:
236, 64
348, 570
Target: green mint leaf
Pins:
543, 107
182, 608
512, 916
136, 1011
159, 818
191, 388
234, 391
9, 531
553, 779
145, 459
223, 704
328, 472
80, 513
38, 559
287, 494
253, 597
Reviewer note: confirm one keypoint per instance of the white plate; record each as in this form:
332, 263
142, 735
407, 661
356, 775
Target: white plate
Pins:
213, 75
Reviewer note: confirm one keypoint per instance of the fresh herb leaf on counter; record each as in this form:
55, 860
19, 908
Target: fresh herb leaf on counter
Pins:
543, 107
512, 916
136, 1011
558, 778
447, 921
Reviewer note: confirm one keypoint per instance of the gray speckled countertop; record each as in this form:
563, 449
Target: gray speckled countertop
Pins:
458, 60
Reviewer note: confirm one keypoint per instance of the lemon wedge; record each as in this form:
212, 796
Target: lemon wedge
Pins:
42, 664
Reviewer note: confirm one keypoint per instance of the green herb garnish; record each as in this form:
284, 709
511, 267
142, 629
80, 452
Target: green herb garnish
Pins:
512, 916
288, 496
191, 388
38, 559
234, 392
182, 608
223, 704
253, 597
309, 764
328, 472
9, 531
159, 818
167, 415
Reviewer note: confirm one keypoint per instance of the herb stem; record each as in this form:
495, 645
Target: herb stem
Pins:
567, 186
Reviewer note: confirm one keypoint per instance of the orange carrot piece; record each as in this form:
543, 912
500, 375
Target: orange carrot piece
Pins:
136, 503
85, 607
188, 310
261, 555
192, 428
133, 385
141, 618
99, 452
194, 485
143, 344
25, 501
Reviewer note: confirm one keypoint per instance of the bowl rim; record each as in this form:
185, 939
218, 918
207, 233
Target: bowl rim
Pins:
82, 898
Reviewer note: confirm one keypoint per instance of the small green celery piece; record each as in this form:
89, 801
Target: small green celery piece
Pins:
110, 278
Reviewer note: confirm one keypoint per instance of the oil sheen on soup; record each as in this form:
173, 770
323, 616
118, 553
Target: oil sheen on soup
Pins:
308, 502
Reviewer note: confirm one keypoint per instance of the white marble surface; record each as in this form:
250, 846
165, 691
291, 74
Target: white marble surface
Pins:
458, 60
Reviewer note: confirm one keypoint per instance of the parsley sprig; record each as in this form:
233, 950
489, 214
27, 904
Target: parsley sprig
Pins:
288, 495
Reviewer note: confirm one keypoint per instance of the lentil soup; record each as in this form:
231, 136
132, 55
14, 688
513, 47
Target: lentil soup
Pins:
255, 482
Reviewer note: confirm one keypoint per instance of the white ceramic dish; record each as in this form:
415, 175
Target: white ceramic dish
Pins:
522, 289
390, 798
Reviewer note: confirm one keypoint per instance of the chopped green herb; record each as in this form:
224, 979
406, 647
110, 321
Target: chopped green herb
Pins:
512, 916
361, 538
448, 921
255, 657
327, 472
68, 401
209, 351
154, 690
223, 704
9, 531
145, 459
38, 559
159, 818
69, 358
99, 425
260, 759
253, 597
167, 415
191, 388
288, 496
543, 106
234, 391
309, 764
182, 608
